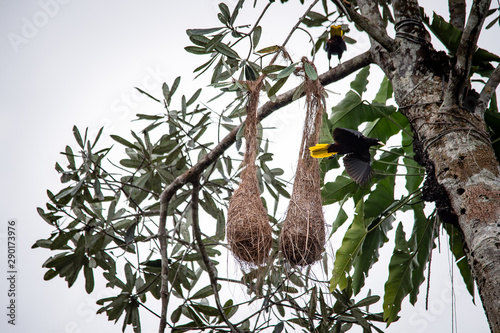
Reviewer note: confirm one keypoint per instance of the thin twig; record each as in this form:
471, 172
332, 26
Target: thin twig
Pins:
212, 272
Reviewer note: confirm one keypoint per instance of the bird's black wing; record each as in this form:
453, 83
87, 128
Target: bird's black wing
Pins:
347, 140
343, 135
358, 167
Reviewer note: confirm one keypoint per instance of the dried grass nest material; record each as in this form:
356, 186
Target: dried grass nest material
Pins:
248, 231
302, 239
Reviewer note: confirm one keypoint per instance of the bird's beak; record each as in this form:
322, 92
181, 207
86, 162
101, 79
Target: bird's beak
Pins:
380, 143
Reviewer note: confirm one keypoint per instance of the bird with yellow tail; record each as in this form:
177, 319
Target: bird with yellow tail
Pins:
355, 146
335, 45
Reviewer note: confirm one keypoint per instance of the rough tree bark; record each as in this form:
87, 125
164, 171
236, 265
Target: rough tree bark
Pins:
450, 140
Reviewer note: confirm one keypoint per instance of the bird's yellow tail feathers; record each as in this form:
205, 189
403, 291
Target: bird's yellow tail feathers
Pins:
321, 151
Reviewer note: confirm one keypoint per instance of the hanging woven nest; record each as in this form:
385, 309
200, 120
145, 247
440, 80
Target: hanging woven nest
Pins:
248, 231
302, 239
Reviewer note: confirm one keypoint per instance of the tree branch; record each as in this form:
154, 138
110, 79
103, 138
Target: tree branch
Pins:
373, 29
457, 13
212, 271
468, 44
333, 75
488, 90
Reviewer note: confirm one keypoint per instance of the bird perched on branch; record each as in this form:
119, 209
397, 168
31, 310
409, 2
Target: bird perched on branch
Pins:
355, 146
336, 44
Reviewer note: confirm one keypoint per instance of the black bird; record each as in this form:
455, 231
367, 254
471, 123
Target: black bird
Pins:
336, 44
356, 148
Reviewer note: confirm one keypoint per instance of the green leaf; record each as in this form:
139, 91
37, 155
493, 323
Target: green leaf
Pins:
175, 85
227, 51
176, 314
482, 55
70, 157
269, 49
351, 245
195, 49
206, 310
279, 327
194, 97
448, 34
224, 9
256, 36
399, 283
339, 221
310, 71
381, 197
204, 292
369, 254
145, 93
277, 86
199, 40
384, 92
49, 275
124, 142
272, 68
367, 301
286, 72
89, 279
78, 137
62, 240
492, 23
336, 191
250, 73
192, 32
360, 82
352, 112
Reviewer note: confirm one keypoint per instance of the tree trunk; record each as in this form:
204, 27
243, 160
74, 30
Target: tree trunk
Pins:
463, 174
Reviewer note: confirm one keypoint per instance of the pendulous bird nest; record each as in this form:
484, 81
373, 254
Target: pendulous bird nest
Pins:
302, 239
248, 231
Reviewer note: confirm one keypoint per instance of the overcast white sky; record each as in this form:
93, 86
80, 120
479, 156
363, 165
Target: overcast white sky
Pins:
75, 62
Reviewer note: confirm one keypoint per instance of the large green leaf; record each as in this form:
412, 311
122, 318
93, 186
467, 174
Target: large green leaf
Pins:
388, 123
370, 253
351, 245
361, 80
399, 284
336, 191
383, 194
339, 221
352, 112
384, 93
450, 36
377, 205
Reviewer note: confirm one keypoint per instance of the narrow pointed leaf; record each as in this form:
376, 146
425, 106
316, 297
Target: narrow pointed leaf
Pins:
351, 245
398, 284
